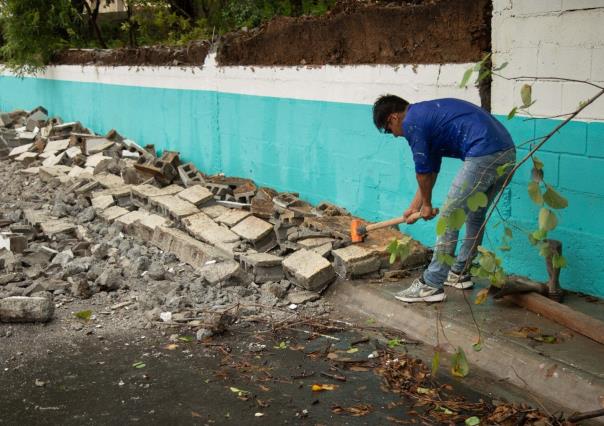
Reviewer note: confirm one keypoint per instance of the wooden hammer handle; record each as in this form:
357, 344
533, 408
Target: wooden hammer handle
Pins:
391, 222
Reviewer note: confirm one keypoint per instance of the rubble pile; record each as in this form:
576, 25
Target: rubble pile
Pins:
91, 216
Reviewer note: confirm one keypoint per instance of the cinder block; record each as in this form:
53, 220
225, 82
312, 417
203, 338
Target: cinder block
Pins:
130, 218
572, 138
354, 261
102, 202
196, 195
582, 174
214, 211
26, 309
232, 217
142, 193
145, 227
564, 61
109, 180
308, 270
595, 139
112, 213
521, 129
536, 7
575, 93
548, 97
580, 28
263, 267
597, 64
252, 229
202, 227
173, 207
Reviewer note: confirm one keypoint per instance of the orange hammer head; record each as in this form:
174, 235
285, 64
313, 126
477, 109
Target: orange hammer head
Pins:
357, 231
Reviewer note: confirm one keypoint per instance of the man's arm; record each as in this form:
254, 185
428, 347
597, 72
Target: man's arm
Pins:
423, 197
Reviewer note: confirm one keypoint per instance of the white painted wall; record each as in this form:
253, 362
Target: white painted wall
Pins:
549, 38
357, 84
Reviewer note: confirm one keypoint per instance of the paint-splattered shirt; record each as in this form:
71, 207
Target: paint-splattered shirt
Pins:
451, 128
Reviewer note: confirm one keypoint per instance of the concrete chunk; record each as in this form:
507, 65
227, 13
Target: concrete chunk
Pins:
73, 152
308, 270
232, 217
202, 227
142, 193
263, 267
26, 309
129, 218
172, 206
102, 202
26, 158
20, 150
214, 211
97, 145
252, 229
315, 242
57, 226
196, 195
109, 180
95, 159
145, 227
112, 213
354, 261
53, 160
58, 145
184, 247
219, 272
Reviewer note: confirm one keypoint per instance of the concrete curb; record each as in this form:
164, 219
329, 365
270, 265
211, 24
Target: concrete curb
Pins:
570, 388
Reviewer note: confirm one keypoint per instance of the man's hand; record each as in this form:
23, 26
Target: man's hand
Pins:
428, 213
410, 211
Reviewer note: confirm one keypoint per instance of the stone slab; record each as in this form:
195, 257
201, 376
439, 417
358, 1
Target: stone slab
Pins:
73, 152
184, 247
58, 145
214, 210
97, 145
308, 270
145, 227
196, 195
57, 226
252, 229
112, 213
261, 259
314, 242
232, 217
109, 180
53, 160
129, 218
50, 172
95, 159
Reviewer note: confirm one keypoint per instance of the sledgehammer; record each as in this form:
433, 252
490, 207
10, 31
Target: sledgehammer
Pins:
358, 230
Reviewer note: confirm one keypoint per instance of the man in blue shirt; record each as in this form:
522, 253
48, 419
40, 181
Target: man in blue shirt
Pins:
457, 129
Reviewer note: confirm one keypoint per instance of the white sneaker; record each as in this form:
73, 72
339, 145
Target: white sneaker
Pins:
459, 281
420, 292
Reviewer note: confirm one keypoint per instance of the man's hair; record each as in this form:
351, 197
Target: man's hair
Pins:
384, 106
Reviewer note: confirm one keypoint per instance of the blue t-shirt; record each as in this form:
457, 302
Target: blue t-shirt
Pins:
451, 128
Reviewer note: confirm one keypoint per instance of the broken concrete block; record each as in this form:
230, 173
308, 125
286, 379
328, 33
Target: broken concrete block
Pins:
196, 195
323, 250
20, 150
5, 120
51, 172
252, 229
57, 226
30, 171
172, 206
27, 158
73, 152
263, 267
76, 171
27, 136
354, 261
14, 242
142, 193
26, 309
53, 160
184, 247
88, 187
220, 272
97, 145
308, 270
190, 175
102, 202
112, 213
56, 146
300, 297
202, 227
108, 180
232, 217
145, 227
129, 218
214, 211
95, 159
315, 242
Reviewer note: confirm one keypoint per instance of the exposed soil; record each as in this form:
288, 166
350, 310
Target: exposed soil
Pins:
193, 53
354, 32
431, 31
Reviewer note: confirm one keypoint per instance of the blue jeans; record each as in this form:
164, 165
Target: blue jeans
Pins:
476, 174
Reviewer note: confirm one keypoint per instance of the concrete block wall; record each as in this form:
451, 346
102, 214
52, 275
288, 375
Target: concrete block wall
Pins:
304, 129
565, 39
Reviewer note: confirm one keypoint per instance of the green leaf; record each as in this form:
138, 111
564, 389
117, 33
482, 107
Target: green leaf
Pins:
558, 261
391, 248
526, 94
505, 247
484, 74
502, 169
547, 219
392, 258
459, 363
512, 113
466, 77
139, 364
457, 219
435, 363
500, 67
404, 249
544, 249
539, 235
477, 346
441, 226
477, 200
85, 315
535, 193
393, 343
472, 421
554, 199
445, 258
281, 345
498, 279
537, 163
185, 338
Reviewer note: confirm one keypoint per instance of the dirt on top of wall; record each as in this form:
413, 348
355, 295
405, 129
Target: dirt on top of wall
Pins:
193, 53
368, 32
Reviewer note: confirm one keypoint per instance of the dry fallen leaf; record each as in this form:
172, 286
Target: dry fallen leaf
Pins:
355, 411
522, 332
195, 414
358, 368
481, 296
550, 371
264, 388
171, 346
323, 387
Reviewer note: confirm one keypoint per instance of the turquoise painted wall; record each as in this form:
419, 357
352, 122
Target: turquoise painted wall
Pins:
331, 151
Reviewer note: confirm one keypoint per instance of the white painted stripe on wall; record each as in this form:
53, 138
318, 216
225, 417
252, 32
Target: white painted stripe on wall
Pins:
358, 84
